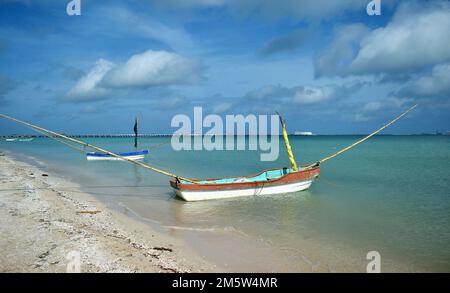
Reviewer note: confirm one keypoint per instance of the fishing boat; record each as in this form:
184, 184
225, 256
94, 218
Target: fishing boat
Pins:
134, 156
268, 182
93, 156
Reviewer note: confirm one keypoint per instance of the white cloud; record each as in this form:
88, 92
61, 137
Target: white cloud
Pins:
358, 117
276, 95
87, 87
416, 37
151, 68
369, 110
372, 106
268, 91
334, 59
437, 83
222, 107
312, 95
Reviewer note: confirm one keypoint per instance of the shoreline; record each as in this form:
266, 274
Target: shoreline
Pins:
185, 249
121, 238
210, 250
42, 224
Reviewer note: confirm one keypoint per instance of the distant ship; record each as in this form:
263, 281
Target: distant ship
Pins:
303, 133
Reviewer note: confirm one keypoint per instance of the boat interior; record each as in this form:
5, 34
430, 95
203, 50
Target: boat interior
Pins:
264, 176
97, 154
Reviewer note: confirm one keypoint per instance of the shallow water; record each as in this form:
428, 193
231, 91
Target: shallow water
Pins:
391, 194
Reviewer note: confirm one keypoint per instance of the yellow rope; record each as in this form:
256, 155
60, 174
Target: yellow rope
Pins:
61, 141
158, 145
97, 148
362, 140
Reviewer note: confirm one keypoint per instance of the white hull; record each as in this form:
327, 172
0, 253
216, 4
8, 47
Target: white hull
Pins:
195, 195
134, 158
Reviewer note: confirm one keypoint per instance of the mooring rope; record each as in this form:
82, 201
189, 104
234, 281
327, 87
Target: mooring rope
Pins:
61, 141
158, 145
34, 127
362, 140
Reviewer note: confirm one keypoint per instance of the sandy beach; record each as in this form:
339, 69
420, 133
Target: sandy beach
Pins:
42, 224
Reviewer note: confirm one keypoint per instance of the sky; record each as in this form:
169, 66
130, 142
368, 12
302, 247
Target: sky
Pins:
327, 66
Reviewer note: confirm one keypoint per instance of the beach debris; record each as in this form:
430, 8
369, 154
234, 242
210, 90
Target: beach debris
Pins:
93, 212
153, 255
117, 236
45, 254
162, 248
14, 212
138, 246
168, 269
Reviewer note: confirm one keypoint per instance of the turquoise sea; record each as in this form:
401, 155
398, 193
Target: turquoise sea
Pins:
390, 194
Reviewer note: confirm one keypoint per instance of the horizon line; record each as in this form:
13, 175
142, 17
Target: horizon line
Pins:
128, 135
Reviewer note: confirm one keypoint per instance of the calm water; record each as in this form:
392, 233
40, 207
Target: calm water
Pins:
391, 194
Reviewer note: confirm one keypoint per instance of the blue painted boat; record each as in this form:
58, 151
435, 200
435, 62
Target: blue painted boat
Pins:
137, 155
93, 156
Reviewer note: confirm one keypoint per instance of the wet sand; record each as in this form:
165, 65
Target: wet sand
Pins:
42, 223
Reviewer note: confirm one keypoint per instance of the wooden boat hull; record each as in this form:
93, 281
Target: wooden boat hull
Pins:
288, 183
106, 157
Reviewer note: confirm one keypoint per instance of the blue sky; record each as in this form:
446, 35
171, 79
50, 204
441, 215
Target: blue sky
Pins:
326, 65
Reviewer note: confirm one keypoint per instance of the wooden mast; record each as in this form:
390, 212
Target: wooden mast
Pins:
135, 129
288, 145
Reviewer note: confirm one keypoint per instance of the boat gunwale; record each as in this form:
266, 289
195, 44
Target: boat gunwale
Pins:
98, 154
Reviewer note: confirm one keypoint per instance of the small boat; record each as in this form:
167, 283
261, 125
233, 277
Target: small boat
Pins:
134, 156
267, 182
26, 139
94, 156
11, 139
